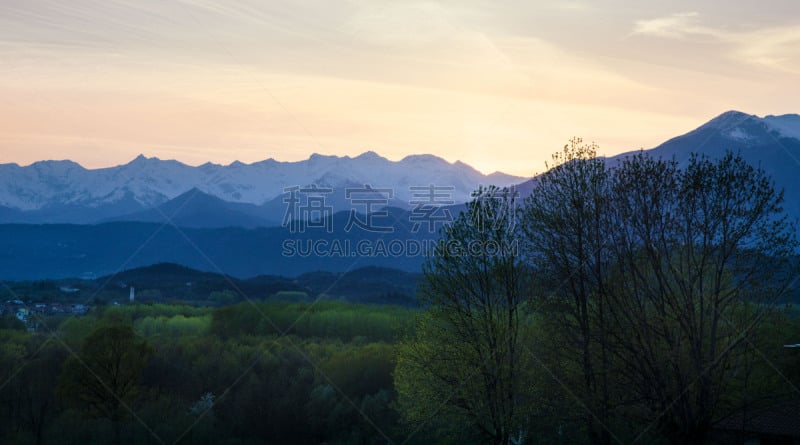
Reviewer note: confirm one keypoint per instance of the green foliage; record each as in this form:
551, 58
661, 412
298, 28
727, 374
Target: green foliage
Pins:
291, 296
175, 326
294, 389
324, 319
9, 321
104, 377
331, 384
75, 330
465, 362
137, 311
362, 370
224, 297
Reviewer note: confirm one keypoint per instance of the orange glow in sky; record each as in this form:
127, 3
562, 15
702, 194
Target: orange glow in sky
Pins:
499, 86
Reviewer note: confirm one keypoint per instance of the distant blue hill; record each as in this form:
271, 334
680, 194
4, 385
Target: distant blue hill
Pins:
170, 282
196, 209
64, 250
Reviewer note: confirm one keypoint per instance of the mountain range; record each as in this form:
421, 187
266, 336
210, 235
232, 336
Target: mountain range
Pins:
235, 219
252, 194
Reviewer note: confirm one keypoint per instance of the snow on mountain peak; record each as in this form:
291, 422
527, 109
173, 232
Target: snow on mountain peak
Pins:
56, 164
729, 120
739, 134
318, 156
370, 155
787, 125
152, 181
467, 167
139, 159
209, 166
424, 158
741, 127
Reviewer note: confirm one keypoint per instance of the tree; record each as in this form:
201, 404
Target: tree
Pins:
661, 275
35, 386
565, 227
13, 355
702, 255
466, 361
105, 376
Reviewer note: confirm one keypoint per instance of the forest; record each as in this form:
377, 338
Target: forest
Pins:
248, 373
645, 302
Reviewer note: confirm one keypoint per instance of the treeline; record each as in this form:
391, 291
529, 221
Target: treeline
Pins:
250, 373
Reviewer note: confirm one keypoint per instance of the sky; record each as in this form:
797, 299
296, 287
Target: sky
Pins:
498, 85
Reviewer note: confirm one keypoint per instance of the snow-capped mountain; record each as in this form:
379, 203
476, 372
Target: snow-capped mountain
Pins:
759, 140
771, 143
251, 195
64, 191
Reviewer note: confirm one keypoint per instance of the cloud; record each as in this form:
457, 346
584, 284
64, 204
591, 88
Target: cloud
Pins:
676, 25
775, 48
573, 6
404, 24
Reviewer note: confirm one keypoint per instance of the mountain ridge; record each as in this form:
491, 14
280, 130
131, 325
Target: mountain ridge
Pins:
251, 195
46, 187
